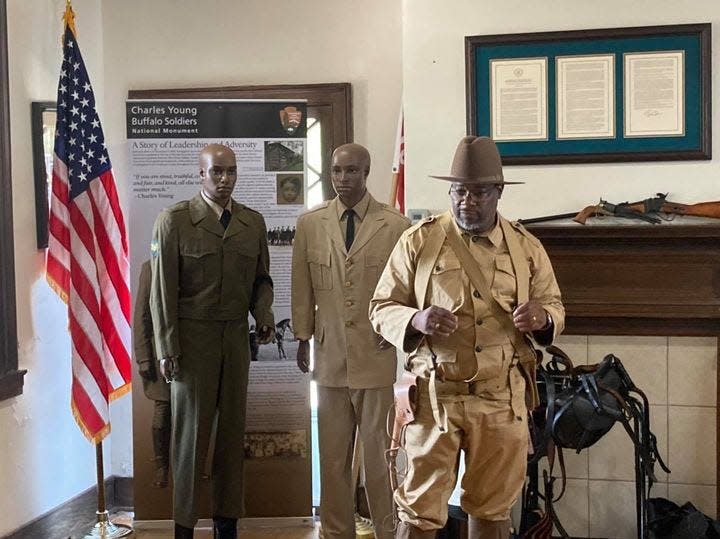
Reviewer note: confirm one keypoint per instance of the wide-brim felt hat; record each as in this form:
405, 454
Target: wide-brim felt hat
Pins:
477, 161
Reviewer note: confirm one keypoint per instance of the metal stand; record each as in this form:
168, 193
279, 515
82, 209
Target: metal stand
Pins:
104, 528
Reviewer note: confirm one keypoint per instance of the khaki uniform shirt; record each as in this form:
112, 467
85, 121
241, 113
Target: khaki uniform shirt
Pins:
479, 349
204, 272
331, 290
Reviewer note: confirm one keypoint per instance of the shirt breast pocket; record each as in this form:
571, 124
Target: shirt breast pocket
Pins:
241, 259
200, 261
374, 266
447, 283
320, 269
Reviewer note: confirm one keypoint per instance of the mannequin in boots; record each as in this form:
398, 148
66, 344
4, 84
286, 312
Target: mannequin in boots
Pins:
210, 271
460, 295
154, 386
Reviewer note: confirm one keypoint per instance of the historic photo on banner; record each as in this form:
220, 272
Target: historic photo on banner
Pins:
518, 90
654, 94
585, 96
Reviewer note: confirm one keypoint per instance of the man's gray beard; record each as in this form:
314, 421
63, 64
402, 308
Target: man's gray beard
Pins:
465, 225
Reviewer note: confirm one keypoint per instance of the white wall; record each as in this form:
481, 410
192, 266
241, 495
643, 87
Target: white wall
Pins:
166, 44
45, 459
434, 82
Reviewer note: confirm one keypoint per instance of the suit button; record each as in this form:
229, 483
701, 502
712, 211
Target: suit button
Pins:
475, 239
438, 268
476, 294
348, 323
348, 284
478, 322
478, 349
348, 303
348, 262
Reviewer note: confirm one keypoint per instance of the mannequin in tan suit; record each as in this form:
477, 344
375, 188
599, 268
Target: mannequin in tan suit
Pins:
336, 266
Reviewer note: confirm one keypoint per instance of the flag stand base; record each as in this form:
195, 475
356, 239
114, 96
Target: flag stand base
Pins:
104, 528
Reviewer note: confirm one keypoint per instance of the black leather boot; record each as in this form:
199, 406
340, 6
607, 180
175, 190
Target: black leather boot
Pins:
181, 532
225, 528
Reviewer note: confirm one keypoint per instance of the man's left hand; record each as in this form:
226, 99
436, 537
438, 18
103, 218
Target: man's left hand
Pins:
530, 316
266, 334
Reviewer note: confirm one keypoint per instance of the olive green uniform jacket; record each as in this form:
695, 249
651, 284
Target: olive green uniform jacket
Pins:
206, 279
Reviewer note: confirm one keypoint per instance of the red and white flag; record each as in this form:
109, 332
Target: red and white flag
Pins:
87, 258
398, 189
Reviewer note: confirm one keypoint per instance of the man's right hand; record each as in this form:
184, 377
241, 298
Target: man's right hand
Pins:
303, 356
434, 321
170, 367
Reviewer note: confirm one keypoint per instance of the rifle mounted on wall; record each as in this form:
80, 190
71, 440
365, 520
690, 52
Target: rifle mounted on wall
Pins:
651, 210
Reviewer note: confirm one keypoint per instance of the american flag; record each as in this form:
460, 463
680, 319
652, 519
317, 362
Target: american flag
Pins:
87, 258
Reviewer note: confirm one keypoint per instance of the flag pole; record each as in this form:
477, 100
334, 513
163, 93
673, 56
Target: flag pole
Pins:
393, 189
104, 528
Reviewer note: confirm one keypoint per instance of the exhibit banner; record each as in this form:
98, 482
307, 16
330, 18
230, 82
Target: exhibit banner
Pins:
164, 140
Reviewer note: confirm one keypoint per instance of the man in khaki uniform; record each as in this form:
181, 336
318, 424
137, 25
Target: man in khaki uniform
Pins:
210, 268
459, 295
154, 385
340, 250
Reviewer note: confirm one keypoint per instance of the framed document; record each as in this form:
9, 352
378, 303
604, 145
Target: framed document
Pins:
593, 96
585, 96
654, 94
519, 99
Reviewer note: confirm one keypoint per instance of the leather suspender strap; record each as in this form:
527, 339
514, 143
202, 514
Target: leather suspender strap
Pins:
470, 266
519, 262
425, 265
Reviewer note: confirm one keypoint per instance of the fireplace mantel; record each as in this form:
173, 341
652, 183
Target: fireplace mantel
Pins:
633, 278
620, 277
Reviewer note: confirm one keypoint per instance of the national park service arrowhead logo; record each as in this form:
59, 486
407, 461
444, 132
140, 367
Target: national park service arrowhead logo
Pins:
291, 118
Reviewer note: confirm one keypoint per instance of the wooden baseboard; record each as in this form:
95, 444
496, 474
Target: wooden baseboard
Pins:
77, 515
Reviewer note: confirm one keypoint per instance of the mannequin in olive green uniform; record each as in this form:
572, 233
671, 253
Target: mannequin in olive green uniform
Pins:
154, 385
210, 269
460, 294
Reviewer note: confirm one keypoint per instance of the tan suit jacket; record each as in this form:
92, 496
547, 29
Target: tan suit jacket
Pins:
331, 291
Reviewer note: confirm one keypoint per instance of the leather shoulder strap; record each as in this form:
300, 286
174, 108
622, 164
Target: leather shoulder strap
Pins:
426, 263
519, 262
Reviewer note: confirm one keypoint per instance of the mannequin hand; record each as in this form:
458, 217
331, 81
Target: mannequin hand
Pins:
170, 368
303, 356
266, 334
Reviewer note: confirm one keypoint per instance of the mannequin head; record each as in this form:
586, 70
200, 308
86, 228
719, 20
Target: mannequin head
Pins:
218, 172
349, 171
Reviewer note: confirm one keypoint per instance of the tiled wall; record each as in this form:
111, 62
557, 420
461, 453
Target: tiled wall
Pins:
679, 376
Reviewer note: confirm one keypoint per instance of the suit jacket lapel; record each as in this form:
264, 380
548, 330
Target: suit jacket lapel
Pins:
374, 221
332, 225
203, 216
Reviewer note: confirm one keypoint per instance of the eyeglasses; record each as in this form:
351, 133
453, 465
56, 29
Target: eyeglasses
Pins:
477, 194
